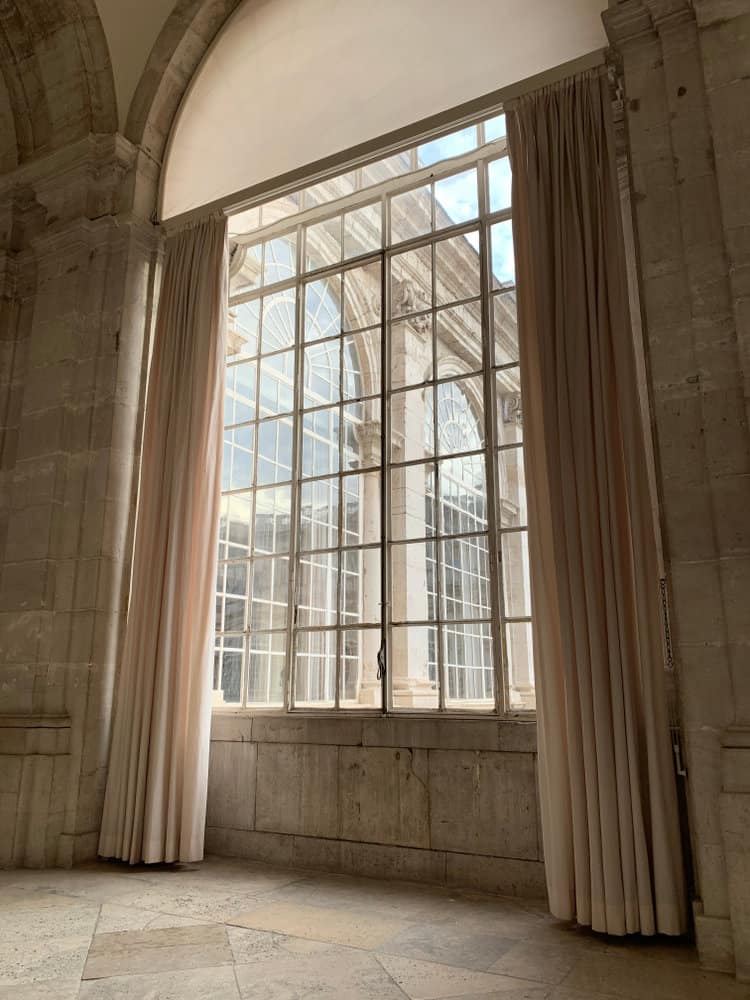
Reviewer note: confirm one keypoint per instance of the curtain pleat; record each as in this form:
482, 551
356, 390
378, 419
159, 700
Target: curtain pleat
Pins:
155, 800
607, 791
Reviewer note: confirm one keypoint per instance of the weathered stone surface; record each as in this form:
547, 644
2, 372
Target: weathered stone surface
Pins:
384, 796
297, 789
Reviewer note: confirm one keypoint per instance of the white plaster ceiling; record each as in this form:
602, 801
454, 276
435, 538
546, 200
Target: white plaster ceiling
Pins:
131, 28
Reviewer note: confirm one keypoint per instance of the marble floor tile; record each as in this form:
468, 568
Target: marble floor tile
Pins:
46, 989
450, 944
127, 952
194, 984
29, 960
548, 964
343, 975
257, 946
353, 928
433, 981
204, 903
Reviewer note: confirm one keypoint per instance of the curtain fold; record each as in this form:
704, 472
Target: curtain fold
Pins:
607, 791
155, 800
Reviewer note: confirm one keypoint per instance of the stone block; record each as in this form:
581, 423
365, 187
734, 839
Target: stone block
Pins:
383, 794
317, 853
506, 876
713, 937
448, 734
696, 604
483, 803
231, 785
735, 582
517, 737
290, 728
231, 727
383, 861
297, 789
735, 824
273, 848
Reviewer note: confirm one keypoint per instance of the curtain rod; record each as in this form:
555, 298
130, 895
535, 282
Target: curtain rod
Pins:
385, 145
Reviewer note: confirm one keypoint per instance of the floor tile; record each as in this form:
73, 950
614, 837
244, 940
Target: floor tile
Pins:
29, 960
541, 964
343, 975
450, 944
348, 927
194, 984
257, 946
128, 952
47, 989
433, 981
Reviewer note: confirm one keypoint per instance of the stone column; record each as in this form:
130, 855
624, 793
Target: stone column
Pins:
690, 226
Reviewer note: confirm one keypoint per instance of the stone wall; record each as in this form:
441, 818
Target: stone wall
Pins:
445, 801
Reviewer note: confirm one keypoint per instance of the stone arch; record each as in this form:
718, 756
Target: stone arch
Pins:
57, 84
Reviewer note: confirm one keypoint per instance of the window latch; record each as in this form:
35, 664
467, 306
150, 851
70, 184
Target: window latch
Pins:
381, 661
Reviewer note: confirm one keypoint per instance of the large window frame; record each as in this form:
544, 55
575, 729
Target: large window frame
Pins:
497, 532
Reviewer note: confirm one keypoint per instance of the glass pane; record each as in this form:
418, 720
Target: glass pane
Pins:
279, 208
413, 659
505, 327
460, 415
323, 244
280, 258
234, 526
411, 281
455, 144
228, 670
249, 274
459, 338
231, 598
361, 375
361, 516
520, 665
322, 373
468, 667
412, 430
503, 263
411, 351
360, 687
273, 513
234, 613
384, 170
320, 442
466, 578
362, 295
511, 491
362, 434
244, 222
456, 199
270, 595
500, 184
278, 321
315, 681
277, 384
494, 128
411, 214
239, 393
462, 500
413, 502
360, 587
242, 330
362, 230
323, 308
274, 451
317, 579
237, 461
319, 514
457, 268
509, 406
516, 582
265, 672
413, 582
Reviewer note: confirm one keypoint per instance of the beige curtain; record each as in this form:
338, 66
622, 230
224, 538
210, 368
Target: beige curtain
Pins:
155, 800
608, 799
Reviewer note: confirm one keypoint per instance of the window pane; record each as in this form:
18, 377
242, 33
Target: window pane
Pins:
459, 338
509, 406
413, 660
413, 582
239, 393
460, 415
465, 578
512, 488
362, 365
322, 373
413, 502
411, 214
516, 582
279, 208
361, 515
360, 687
320, 442
323, 308
234, 526
457, 268
280, 258
503, 263
270, 595
411, 281
494, 128
505, 328
228, 669
468, 668
265, 673
456, 199
237, 460
520, 665
360, 587
319, 514
250, 273
323, 243
242, 330
317, 589
274, 451
362, 434
315, 681
277, 384
362, 230
273, 520
362, 296
462, 499
278, 321
455, 144
500, 184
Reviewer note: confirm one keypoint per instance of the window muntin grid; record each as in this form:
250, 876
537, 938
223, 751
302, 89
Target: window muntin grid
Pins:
313, 328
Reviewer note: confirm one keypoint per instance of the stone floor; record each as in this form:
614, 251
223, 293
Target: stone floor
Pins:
225, 930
